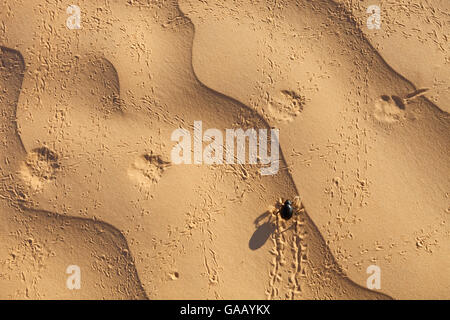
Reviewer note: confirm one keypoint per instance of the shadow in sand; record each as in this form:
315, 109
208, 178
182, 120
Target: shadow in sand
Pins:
262, 232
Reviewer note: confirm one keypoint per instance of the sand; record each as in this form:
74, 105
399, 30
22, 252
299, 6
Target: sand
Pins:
87, 177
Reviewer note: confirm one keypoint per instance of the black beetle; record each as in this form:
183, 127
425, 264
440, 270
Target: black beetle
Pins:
286, 210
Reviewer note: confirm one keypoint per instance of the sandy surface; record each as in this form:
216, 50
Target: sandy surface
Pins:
87, 177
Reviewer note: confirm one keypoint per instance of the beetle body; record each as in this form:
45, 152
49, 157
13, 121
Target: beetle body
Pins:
286, 210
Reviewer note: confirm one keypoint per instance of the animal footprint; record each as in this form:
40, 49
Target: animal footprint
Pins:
40, 166
388, 110
287, 107
147, 169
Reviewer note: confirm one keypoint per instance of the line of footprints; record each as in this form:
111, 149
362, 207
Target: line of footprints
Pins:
73, 22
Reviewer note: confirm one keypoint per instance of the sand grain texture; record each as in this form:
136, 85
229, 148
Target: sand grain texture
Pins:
87, 177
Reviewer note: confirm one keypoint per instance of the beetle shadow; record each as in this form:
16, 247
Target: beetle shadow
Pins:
262, 232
